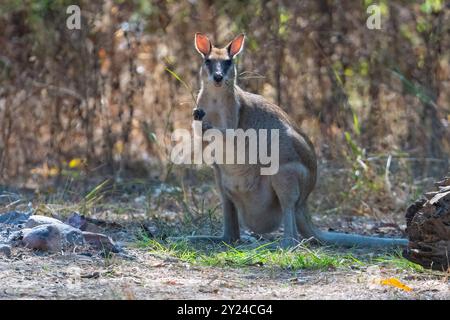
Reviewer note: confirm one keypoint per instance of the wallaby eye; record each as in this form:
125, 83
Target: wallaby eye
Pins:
207, 62
228, 62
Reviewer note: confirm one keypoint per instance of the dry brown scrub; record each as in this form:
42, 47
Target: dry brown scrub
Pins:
100, 101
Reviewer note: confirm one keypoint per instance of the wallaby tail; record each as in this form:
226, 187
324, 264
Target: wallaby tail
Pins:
355, 240
308, 230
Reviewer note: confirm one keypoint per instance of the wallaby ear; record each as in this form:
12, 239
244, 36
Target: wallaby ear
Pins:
202, 44
235, 47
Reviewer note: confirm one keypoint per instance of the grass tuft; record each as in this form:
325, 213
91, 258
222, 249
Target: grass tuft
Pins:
241, 257
302, 257
396, 260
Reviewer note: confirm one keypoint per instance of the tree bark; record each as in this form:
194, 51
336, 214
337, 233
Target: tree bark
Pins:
428, 228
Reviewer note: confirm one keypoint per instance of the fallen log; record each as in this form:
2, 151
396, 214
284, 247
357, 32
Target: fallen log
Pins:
428, 228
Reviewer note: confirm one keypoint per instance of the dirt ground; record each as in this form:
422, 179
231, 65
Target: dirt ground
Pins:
142, 275
138, 273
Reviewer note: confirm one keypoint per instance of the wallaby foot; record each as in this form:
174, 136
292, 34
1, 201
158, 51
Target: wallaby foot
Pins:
288, 243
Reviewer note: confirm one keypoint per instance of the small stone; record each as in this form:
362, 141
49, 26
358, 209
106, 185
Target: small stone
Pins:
6, 250
71, 235
81, 222
76, 220
15, 236
38, 220
14, 217
52, 237
100, 241
46, 238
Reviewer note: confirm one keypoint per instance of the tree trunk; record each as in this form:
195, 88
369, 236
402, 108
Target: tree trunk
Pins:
428, 229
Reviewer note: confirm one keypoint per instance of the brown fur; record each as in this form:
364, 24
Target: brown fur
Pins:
261, 202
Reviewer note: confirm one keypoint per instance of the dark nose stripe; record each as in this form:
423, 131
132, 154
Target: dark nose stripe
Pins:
219, 67
218, 77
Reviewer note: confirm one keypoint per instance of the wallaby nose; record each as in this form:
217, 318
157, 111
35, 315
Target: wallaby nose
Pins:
218, 77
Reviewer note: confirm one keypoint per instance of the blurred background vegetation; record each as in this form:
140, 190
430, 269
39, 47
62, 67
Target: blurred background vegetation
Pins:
100, 102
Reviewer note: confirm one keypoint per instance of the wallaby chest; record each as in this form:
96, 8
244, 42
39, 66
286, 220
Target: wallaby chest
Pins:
239, 178
221, 107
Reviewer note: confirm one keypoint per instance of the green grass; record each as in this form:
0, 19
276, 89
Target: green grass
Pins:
396, 260
320, 258
201, 215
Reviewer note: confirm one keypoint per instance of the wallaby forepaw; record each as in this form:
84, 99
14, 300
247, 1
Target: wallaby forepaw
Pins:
198, 114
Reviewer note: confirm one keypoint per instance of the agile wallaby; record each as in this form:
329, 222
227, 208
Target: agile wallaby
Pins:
262, 202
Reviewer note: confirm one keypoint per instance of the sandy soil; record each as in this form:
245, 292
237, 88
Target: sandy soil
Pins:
142, 275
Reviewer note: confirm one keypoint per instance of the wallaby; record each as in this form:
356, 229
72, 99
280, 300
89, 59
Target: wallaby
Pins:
261, 202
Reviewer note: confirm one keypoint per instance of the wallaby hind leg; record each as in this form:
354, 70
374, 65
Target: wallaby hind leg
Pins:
304, 223
231, 232
286, 184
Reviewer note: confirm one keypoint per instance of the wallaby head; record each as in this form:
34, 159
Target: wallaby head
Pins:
218, 67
